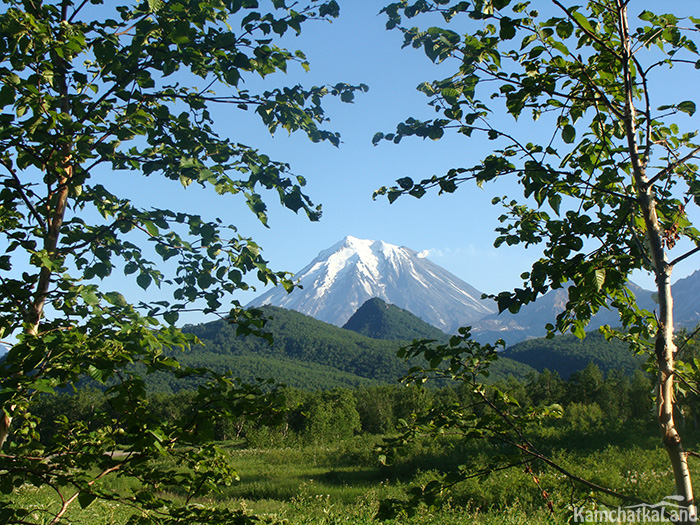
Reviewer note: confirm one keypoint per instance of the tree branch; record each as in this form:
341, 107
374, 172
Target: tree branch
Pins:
684, 256
77, 10
673, 166
593, 36
67, 503
528, 448
20, 190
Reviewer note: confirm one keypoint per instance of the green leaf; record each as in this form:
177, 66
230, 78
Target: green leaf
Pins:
98, 374
565, 29
42, 385
529, 39
347, 96
687, 106
406, 183
151, 228
154, 6
600, 278
144, 280
85, 499
568, 134
583, 22
554, 200
507, 28
331, 9
392, 195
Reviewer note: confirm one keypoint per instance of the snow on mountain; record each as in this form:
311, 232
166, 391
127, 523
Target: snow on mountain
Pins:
340, 279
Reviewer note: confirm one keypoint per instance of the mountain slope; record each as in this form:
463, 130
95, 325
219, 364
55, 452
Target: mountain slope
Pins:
530, 321
306, 342
379, 320
686, 295
345, 276
306, 353
566, 354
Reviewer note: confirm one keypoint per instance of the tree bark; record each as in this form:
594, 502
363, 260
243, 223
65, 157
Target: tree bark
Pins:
57, 190
665, 347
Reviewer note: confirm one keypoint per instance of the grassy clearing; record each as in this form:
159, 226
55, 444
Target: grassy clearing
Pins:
345, 483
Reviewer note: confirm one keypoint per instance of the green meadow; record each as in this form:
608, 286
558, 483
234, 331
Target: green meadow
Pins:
344, 482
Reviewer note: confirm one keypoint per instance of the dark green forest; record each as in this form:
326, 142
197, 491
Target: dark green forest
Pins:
590, 399
379, 320
567, 353
332, 383
312, 354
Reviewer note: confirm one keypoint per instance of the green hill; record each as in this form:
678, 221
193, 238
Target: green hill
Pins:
566, 354
306, 353
379, 320
313, 355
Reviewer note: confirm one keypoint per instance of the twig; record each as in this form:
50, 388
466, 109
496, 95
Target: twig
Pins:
19, 188
673, 166
67, 503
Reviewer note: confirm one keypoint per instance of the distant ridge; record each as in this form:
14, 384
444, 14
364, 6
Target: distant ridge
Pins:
340, 279
686, 300
566, 354
530, 321
379, 320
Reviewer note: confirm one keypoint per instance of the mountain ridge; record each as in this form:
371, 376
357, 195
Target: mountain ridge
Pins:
341, 278
530, 321
307, 353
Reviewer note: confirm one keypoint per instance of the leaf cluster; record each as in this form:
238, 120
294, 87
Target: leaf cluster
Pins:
90, 90
605, 150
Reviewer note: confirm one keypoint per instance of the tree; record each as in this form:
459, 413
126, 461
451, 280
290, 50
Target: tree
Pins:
546, 388
331, 416
608, 188
87, 90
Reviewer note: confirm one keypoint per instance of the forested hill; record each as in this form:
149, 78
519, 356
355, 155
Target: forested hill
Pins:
566, 354
313, 355
379, 320
307, 353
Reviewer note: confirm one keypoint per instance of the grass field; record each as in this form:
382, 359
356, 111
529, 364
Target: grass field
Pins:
345, 483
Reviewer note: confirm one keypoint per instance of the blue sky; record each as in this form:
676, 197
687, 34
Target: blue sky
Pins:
457, 229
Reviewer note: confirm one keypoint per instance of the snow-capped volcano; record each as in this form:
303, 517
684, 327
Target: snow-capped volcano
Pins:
340, 279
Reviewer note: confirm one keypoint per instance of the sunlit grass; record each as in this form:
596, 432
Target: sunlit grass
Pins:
345, 484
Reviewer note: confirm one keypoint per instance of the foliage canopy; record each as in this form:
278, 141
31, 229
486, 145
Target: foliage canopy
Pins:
88, 90
607, 172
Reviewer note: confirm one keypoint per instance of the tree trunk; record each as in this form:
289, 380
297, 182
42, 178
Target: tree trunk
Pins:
665, 354
60, 173
665, 348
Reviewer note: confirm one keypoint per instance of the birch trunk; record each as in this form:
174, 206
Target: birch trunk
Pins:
58, 176
665, 347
